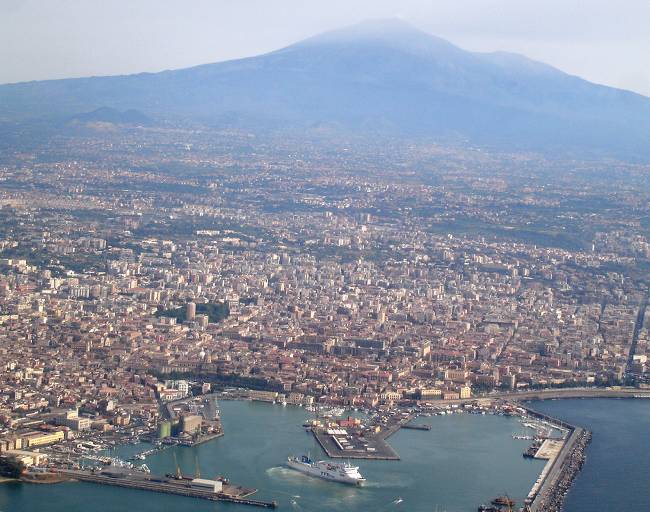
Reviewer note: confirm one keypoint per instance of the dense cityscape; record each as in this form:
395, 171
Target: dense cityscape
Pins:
135, 261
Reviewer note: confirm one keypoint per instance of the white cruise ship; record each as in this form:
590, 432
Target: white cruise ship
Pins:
344, 473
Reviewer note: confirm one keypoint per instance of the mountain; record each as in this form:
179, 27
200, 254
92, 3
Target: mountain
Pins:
113, 116
380, 77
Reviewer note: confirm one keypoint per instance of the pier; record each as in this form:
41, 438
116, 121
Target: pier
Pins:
146, 482
356, 445
564, 463
376, 447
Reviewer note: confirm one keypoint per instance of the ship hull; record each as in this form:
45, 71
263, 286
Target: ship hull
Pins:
324, 473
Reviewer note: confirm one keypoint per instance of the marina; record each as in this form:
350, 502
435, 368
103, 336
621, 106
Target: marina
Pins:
356, 438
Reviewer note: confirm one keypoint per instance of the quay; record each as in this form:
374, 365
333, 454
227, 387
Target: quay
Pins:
415, 426
182, 487
341, 444
376, 448
201, 439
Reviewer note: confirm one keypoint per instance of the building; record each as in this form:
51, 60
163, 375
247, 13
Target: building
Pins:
174, 390
208, 485
295, 398
10, 443
456, 375
27, 458
164, 429
190, 311
191, 424
263, 396
122, 420
72, 420
78, 423
426, 393
34, 439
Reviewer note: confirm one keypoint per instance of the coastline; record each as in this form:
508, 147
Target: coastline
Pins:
552, 491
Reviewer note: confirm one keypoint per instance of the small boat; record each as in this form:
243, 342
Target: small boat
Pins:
503, 501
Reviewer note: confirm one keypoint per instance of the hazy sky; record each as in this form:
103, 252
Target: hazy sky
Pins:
605, 41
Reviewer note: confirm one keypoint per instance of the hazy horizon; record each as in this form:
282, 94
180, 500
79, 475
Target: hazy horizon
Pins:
601, 42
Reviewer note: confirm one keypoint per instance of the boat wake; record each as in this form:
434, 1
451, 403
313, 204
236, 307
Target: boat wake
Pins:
278, 470
394, 484
284, 473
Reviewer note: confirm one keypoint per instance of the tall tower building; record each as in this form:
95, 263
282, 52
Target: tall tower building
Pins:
190, 312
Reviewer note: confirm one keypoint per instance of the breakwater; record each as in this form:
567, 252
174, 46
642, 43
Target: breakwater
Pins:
551, 496
550, 489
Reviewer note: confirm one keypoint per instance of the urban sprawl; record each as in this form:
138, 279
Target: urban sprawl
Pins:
139, 266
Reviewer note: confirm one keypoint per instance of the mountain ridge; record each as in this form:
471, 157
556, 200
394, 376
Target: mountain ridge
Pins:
376, 77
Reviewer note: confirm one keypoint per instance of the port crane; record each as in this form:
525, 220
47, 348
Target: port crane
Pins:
179, 474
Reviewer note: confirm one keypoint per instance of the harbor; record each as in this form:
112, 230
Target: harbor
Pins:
558, 443
351, 438
259, 437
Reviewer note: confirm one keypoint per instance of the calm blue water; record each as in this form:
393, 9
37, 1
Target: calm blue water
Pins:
463, 461
616, 475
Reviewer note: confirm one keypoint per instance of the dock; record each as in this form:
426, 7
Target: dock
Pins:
375, 449
202, 439
147, 482
416, 426
341, 444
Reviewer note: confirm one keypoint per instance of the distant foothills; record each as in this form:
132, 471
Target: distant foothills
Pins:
377, 78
